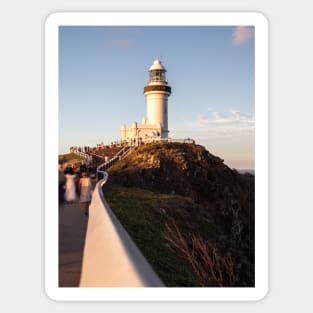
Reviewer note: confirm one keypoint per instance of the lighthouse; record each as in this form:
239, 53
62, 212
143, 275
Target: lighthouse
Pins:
155, 124
157, 92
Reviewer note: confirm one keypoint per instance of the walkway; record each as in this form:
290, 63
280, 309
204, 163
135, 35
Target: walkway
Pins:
72, 231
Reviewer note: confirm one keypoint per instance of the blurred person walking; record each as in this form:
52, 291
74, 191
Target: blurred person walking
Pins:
85, 188
70, 186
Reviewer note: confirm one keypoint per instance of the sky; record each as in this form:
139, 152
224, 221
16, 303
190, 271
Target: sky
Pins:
103, 70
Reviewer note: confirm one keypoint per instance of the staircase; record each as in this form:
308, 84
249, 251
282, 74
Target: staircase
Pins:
84, 155
102, 168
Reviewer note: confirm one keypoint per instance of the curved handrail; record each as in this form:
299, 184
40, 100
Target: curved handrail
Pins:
86, 156
111, 258
107, 164
105, 177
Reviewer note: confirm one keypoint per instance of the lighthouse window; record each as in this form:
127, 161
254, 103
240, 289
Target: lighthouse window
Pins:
157, 75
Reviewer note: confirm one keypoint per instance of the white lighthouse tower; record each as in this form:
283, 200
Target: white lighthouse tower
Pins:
155, 124
157, 92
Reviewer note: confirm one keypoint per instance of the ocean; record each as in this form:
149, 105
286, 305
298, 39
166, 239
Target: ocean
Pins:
243, 171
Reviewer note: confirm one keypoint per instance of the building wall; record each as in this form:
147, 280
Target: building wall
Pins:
157, 109
140, 131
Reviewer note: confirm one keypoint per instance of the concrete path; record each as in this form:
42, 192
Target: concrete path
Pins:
72, 231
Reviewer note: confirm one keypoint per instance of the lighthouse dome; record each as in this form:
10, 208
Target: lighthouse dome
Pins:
157, 65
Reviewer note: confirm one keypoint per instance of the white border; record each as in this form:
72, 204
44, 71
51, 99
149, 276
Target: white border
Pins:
51, 152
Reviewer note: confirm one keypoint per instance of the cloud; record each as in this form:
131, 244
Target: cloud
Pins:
242, 34
234, 118
218, 124
122, 37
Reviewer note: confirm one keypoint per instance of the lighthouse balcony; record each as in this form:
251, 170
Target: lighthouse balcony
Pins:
163, 88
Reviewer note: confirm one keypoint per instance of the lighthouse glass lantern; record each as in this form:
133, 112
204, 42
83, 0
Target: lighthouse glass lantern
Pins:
157, 76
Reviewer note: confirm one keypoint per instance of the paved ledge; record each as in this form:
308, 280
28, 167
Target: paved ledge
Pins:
111, 258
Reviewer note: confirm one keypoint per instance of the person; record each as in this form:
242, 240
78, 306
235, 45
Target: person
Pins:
70, 188
85, 187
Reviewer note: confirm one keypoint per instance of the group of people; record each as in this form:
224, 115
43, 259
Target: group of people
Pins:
99, 147
78, 187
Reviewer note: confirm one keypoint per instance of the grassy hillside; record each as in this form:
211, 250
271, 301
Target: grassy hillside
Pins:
69, 157
144, 215
191, 215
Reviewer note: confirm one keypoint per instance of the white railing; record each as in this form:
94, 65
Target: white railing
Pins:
104, 178
156, 140
118, 156
86, 156
111, 258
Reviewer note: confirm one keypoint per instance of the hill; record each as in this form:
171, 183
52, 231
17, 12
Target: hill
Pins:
205, 213
69, 158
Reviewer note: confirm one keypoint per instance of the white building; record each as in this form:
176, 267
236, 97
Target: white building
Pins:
155, 124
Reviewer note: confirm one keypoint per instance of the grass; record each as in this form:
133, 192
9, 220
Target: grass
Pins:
176, 235
144, 215
69, 157
211, 268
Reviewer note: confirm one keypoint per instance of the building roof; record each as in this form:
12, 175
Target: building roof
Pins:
157, 65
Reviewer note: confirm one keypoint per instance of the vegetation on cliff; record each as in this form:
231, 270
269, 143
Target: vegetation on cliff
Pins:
190, 214
69, 157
